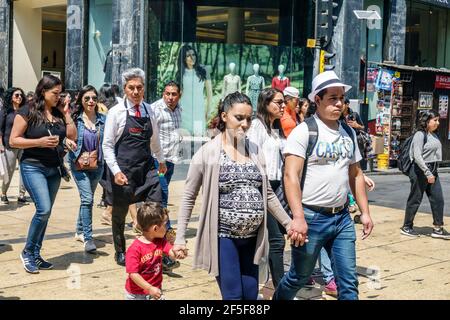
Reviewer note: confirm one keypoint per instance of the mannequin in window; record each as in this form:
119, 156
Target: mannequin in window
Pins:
281, 82
231, 82
107, 68
255, 83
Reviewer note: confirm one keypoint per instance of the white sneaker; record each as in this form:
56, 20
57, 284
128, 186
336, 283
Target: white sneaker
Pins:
89, 246
79, 237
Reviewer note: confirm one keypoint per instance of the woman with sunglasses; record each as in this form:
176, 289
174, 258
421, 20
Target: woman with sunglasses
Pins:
14, 100
90, 124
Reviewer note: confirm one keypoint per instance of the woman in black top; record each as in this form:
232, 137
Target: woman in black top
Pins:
42, 128
14, 99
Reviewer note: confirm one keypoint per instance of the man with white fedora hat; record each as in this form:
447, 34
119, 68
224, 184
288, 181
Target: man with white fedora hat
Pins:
324, 148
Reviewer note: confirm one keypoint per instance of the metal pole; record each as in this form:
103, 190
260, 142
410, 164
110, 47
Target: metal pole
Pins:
316, 50
366, 64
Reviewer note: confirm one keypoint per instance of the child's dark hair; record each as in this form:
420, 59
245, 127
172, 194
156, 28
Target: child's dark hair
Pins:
150, 214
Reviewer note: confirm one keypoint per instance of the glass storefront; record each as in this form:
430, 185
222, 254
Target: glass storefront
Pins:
100, 42
213, 48
427, 35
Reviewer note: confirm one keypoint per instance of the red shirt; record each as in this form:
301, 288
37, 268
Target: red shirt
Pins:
280, 84
146, 259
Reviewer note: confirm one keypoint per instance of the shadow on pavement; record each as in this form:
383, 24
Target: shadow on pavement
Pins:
63, 262
424, 231
5, 248
8, 298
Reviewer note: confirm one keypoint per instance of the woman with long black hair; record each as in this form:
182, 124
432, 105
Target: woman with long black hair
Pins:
426, 153
42, 128
90, 126
14, 100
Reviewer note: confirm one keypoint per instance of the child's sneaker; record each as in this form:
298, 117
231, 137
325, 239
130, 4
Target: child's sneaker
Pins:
440, 233
4, 199
331, 288
311, 283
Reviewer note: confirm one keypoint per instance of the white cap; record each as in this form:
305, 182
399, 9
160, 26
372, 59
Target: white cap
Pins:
324, 80
291, 92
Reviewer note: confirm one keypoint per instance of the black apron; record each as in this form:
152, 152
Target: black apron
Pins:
134, 157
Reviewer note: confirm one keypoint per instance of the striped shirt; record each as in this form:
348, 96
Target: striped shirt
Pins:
169, 123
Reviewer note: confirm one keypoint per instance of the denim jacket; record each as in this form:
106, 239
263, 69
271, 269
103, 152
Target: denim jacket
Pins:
100, 125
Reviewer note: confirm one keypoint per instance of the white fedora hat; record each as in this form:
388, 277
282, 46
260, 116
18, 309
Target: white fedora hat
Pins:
324, 80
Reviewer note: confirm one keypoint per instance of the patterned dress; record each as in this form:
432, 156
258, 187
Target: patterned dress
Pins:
255, 84
241, 206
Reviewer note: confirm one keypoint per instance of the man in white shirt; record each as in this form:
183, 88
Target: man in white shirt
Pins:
131, 136
319, 207
168, 119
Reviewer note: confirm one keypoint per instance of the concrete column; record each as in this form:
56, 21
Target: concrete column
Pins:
128, 41
235, 28
346, 41
395, 41
76, 44
5, 43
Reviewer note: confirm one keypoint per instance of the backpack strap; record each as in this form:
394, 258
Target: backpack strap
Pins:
349, 131
313, 133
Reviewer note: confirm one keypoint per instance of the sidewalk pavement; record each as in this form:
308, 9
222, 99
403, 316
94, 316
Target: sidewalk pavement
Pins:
390, 265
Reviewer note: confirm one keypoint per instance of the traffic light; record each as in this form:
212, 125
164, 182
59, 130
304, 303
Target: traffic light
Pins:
325, 19
325, 63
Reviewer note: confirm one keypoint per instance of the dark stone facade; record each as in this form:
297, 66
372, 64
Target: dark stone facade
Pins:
5, 43
395, 38
76, 44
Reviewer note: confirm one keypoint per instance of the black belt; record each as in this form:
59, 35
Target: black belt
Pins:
326, 209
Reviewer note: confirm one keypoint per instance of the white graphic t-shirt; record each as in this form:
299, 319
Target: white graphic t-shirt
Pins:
327, 181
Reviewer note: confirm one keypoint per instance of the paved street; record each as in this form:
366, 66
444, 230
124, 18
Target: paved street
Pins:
390, 266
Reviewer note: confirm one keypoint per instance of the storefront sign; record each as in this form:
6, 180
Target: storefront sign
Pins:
425, 100
442, 3
442, 82
443, 107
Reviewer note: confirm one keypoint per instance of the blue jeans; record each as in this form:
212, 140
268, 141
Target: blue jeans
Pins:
42, 184
325, 266
164, 181
87, 182
238, 275
335, 233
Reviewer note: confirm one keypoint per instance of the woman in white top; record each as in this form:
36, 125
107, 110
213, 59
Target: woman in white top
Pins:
266, 132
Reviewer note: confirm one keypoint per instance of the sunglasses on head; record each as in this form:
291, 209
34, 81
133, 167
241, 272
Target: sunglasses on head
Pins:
87, 98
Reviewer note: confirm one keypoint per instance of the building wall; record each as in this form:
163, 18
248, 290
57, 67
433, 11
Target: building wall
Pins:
27, 45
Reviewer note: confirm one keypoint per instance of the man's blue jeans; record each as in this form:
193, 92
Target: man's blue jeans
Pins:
164, 181
86, 182
336, 233
42, 184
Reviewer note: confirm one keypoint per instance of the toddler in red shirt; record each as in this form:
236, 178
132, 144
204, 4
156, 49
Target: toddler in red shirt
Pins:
144, 256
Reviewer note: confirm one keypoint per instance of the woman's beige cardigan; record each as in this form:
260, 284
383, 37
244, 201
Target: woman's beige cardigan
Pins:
204, 172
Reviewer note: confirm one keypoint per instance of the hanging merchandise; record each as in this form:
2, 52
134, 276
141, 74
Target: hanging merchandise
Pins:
384, 79
443, 107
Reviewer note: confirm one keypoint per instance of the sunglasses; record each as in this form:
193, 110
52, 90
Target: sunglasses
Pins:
17, 95
87, 98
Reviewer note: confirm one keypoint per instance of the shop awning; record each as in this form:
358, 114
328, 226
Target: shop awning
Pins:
410, 68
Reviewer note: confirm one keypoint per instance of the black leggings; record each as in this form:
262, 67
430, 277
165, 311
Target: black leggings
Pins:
419, 185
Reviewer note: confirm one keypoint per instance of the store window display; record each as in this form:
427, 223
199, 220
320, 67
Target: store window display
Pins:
255, 83
280, 81
195, 83
231, 82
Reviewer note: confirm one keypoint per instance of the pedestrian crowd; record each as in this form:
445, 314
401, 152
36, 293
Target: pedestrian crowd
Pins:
290, 171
